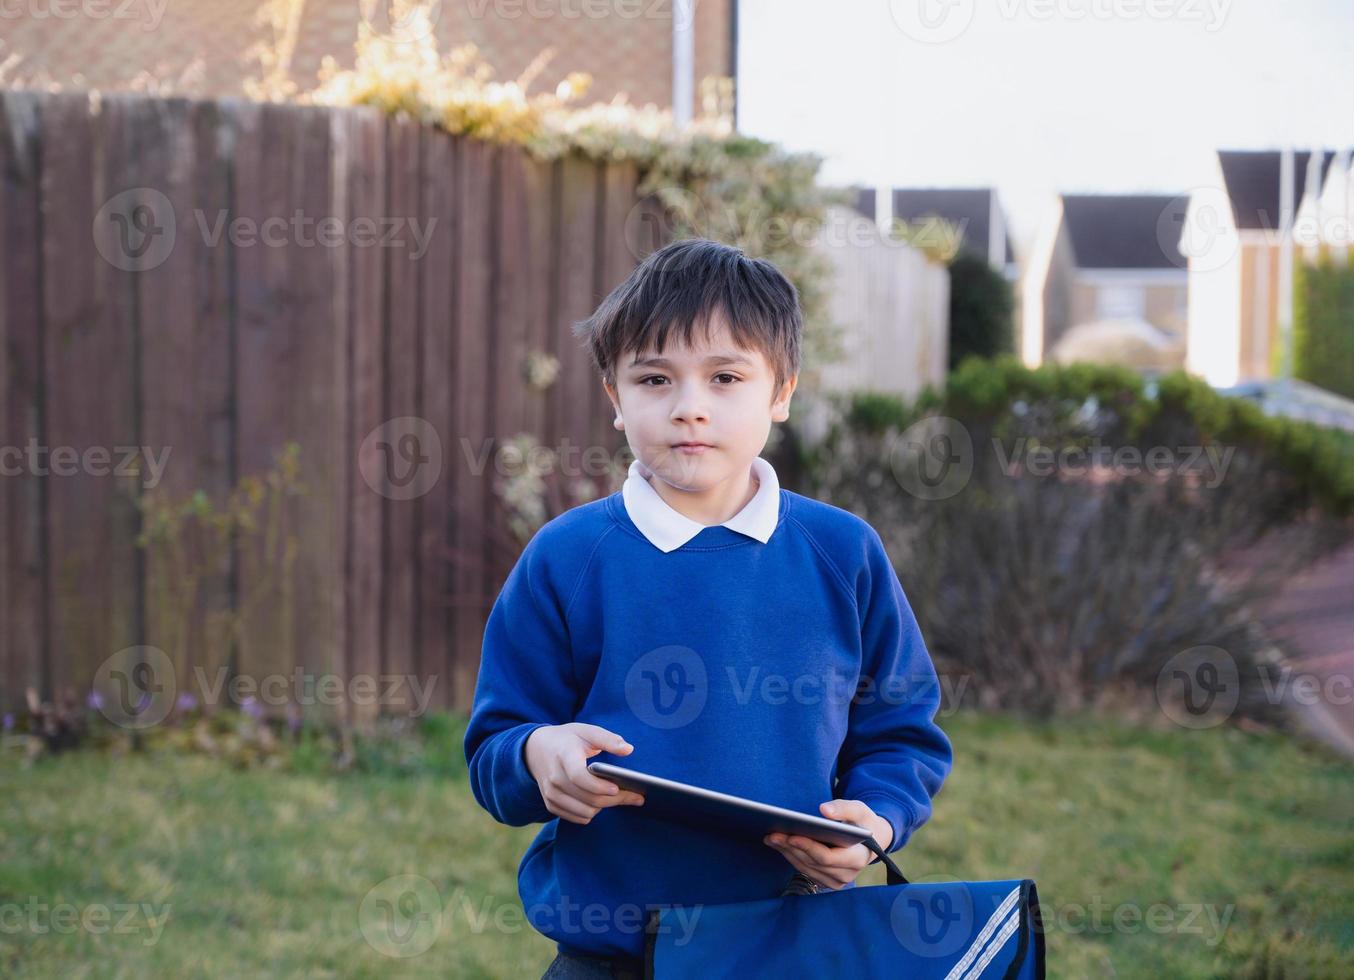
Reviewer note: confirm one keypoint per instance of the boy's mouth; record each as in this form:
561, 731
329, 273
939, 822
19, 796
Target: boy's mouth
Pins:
692, 448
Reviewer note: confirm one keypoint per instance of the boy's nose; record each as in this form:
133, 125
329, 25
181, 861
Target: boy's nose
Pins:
690, 407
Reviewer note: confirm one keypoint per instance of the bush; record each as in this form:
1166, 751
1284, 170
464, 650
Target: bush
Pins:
1063, 591
980, 310
1323, 325
427, 745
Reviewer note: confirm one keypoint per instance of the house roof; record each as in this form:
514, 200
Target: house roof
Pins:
1252, 182
969, 209
1125, 231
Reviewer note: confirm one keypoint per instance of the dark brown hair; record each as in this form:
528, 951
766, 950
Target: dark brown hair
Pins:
682, 285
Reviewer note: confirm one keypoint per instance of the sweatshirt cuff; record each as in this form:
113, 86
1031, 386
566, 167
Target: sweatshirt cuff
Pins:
519, 797
898, 816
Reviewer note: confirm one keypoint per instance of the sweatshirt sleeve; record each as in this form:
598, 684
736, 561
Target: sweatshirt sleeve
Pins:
894, 757
525, 681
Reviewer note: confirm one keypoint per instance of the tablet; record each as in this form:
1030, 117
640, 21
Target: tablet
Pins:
726, 814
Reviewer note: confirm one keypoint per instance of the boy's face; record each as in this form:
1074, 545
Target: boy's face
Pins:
714, 393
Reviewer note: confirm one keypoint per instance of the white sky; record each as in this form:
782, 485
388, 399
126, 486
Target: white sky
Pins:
1041, 96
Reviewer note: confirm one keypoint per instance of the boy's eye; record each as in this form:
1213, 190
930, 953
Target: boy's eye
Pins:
732, 378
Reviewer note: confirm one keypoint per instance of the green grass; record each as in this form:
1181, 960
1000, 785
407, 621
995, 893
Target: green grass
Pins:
263, 873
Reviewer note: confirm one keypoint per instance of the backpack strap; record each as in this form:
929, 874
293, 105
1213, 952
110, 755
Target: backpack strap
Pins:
893, 875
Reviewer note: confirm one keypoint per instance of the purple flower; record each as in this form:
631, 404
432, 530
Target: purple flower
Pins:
293, 718
186, 701
8, 722
94, 700
251, 707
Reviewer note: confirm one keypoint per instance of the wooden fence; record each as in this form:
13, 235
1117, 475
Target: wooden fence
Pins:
892, 304
216, 279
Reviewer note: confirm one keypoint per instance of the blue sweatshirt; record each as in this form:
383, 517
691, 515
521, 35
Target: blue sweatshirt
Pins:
791, 672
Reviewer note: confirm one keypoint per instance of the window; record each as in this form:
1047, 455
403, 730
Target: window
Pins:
1120, 302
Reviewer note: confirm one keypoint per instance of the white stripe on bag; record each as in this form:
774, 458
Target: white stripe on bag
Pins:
998, 916
1007, 931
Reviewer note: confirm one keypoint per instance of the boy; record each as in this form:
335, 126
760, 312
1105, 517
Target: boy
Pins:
700, 624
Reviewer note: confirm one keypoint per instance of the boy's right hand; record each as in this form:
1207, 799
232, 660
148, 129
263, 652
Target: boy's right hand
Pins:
557, 757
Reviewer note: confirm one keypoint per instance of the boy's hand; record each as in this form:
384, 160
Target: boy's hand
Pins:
834, 867
557, 757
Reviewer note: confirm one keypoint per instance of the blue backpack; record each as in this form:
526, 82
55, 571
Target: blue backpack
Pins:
952, 930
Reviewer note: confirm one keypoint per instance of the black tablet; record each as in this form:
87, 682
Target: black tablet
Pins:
724, 813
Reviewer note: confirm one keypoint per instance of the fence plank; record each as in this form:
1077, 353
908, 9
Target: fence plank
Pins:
90, 385
512, 285
573, 401
552, 425
616, 260
437, 297
319, 426
512, 305
403, 377
537, 260
24, 647
366, 184
336, 379
214, 313
268, 354
185, 394
470, 465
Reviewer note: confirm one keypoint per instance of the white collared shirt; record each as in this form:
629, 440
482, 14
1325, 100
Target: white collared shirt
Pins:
667, 529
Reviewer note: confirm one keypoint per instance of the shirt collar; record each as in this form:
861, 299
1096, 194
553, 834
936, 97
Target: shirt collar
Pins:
667, 530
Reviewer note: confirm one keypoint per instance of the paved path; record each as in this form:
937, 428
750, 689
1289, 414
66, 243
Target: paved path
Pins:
1310, 618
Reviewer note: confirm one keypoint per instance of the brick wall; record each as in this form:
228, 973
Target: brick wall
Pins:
625, 44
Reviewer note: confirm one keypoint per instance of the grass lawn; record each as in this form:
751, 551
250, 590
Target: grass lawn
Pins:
1177, 854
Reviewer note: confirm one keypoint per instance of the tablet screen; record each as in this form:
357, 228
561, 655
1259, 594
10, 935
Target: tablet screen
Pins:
723, 813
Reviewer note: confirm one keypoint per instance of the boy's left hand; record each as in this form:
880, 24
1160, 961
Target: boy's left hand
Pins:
834, 867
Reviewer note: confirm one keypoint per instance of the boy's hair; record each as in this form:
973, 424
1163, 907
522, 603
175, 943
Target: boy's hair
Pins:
684, 283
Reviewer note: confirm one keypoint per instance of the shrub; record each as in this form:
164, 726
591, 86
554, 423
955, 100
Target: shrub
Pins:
981, 305
1062, 591
1323, 325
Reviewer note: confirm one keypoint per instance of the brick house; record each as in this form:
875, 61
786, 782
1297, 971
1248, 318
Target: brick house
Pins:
1106, 273
1241, 289
199, 46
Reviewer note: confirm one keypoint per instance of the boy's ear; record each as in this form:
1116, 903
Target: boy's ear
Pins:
780, 408
610, 390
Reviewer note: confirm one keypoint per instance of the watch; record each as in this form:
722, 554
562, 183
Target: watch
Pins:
802, 884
